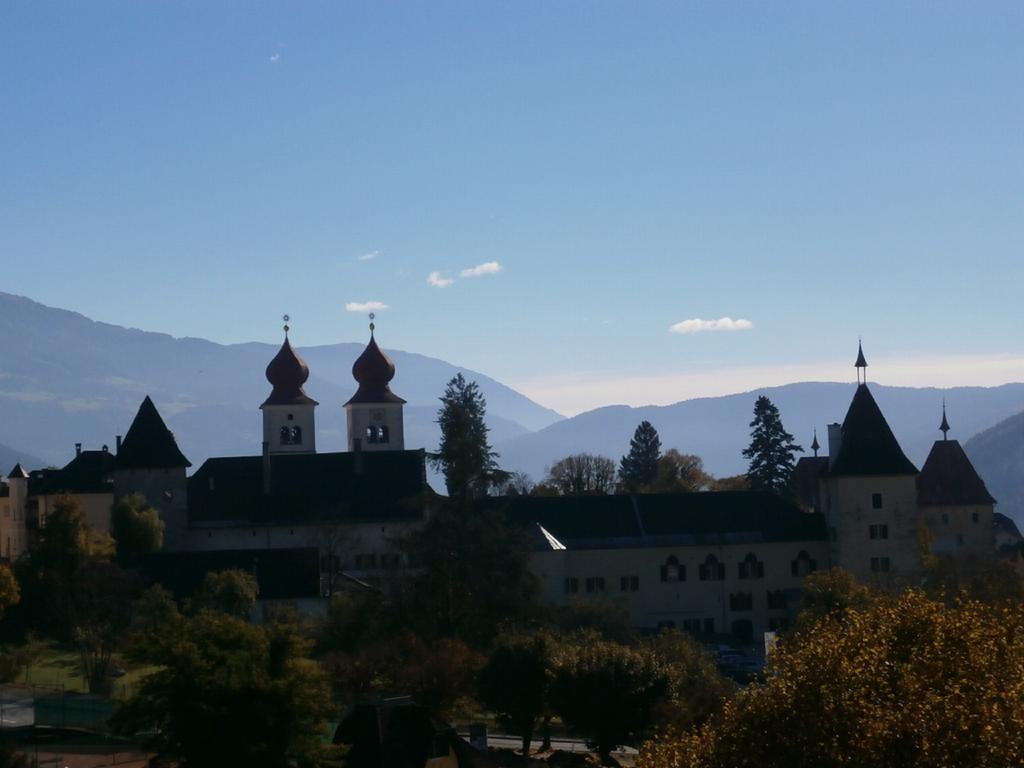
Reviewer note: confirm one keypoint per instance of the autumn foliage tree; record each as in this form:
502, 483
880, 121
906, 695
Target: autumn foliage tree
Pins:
903, 681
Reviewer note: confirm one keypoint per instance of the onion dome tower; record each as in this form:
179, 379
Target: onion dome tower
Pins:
288, 419
375, 419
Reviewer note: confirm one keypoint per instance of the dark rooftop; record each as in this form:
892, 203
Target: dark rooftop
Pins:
653, 520
282, 574
949, 479
312, 487
868, 445
149, 444
88, 472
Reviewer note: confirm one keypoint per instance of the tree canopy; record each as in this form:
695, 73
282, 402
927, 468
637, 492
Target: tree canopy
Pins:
464, 456
639, 467
771, 450
902, 681
582, 474
136, 527
232, 591
514, 683
680, 473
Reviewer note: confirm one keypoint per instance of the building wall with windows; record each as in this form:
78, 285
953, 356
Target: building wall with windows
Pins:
740, 589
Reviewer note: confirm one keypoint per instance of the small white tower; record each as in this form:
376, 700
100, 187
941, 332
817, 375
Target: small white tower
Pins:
374, 412
288, 420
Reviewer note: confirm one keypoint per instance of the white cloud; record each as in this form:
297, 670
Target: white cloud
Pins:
274, 58
435, 279
366, 306
696, 325
487, 268
370, 256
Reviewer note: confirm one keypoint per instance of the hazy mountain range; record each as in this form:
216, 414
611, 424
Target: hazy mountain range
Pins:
998, 454
65, 378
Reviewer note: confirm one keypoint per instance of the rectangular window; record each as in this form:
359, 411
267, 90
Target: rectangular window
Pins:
709, 626
876, 501
880, 564
974, 517
595, 584
878, 531
629, 583
572, 585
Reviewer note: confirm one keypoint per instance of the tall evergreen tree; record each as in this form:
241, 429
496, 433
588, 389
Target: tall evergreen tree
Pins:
464, 456
639, 467
771, 449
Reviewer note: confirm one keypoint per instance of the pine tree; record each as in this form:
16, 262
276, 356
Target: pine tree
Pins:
464, 456
639, 467
771, 449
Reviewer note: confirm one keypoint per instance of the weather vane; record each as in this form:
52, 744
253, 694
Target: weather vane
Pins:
372, 316
286, 319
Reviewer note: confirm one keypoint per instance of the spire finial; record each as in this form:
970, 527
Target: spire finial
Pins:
286, 328
814, 444
861, 364
944, 426
372, 326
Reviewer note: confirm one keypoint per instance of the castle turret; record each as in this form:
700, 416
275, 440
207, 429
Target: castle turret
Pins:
375, 412
288, 419
149, 462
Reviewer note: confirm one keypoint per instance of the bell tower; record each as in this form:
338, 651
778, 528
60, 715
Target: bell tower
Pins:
288, 420
374, 412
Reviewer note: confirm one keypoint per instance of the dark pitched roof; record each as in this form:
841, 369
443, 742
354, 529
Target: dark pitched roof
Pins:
282, 574
658, 520
1003, 524
88, 472
805, 479
287, 372
948, 478
312, 487
868, 445
374, 370
149, 444
18, 472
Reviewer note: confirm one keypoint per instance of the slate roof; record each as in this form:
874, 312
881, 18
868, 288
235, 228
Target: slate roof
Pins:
88, 472
949, 479
868, 446
282, 574
149, 444
17, 471
312, 487
657, 520
1003, 524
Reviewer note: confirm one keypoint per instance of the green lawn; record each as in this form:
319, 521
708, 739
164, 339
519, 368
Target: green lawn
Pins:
57, 667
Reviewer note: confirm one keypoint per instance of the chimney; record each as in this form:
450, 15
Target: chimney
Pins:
105, 449
357, 449
835, 442
78, 449
266, 468
117, 442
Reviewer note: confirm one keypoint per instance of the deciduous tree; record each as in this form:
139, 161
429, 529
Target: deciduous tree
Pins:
771, 449
679, 473
136, 527
581, 474
232, 591
514, 683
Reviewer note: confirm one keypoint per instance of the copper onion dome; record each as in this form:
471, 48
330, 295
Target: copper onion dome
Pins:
373, 370
287, 372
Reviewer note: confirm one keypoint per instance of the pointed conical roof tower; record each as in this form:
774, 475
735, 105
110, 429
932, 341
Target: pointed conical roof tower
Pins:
17, 472
149, 444
861, 365
868, 445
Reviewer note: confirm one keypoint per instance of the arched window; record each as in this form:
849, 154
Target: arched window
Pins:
286, 436
803, 564
371, 434
382, 434
751, 567
712, 570
296, 435
672, 570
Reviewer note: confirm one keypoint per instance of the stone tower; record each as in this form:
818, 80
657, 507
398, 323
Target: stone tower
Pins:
374, 412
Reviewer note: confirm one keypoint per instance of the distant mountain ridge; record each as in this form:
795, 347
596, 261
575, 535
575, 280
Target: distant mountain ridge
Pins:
65, 378
998, 455
717, 429
10, 456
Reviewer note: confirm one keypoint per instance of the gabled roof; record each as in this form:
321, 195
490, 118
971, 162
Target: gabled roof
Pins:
868, 445
88, 472
949, 479
659, 520
149, 444
1003, 524
309, 488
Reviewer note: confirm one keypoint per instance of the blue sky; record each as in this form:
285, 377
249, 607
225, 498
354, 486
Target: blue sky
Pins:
822, 171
